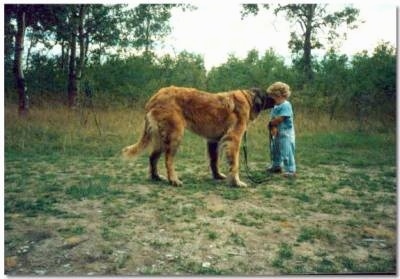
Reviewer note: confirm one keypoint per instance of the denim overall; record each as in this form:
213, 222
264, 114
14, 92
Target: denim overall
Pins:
283, 145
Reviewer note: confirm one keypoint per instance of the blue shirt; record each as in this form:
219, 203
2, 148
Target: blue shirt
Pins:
285, 110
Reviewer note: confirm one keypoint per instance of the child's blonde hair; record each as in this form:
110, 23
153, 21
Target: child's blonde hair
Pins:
279, 89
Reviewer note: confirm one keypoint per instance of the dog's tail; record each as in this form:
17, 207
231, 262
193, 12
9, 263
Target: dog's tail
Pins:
137, 148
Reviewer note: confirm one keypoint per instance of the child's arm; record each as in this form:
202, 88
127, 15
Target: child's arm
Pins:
273, 125
276, 121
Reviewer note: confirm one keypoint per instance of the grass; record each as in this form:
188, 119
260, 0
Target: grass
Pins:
67, 192
316, 233
71, 231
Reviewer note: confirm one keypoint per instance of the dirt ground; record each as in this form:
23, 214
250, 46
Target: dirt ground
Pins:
68, 216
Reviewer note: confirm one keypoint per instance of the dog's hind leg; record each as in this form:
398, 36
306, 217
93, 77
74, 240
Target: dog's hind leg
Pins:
171, 137
153, 161
212, 148
170, 152
156, 151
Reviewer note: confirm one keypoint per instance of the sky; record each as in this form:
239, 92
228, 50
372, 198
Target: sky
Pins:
215, 30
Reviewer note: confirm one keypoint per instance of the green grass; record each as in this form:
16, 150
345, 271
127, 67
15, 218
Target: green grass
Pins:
218, 214
65, 181
212, 235
312, 234
32, 207
237, 240
285, 252
71, 231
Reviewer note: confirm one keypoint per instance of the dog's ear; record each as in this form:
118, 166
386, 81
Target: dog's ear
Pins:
258, 101
269, 102
261, 100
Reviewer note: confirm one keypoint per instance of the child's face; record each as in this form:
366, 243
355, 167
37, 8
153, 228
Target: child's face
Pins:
278, 99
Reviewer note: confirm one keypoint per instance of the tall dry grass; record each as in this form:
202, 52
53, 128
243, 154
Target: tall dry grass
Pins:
79, 130
106, 131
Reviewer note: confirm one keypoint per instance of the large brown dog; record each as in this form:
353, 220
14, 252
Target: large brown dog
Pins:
221, 118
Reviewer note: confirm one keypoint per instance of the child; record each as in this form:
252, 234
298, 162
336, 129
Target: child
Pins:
281, 128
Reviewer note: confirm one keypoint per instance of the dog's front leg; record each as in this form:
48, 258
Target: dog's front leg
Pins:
212, 147
231, 142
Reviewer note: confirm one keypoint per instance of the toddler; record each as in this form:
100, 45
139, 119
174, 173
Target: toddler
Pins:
281, 128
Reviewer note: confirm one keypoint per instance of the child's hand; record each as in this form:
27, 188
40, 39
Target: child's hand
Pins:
274, 131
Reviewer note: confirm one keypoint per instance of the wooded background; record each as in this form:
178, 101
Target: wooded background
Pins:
104, 55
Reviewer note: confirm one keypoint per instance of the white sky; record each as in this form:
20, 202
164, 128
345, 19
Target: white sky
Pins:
216, 30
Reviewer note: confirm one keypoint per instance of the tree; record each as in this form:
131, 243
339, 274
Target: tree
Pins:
9, 47
77, 28
187, 69
72, 81
313, 19
373, 83
25, 16
18, 70
96, 27
147, 24
88, 34
332, 80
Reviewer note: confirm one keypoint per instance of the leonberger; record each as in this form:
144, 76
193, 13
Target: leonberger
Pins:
221, 118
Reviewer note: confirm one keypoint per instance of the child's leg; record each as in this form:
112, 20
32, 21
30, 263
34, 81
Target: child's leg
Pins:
276, 157
288, 153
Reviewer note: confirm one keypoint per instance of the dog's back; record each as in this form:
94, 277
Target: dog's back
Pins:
194, 109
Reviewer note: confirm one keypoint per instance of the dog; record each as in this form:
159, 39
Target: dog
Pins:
221, 118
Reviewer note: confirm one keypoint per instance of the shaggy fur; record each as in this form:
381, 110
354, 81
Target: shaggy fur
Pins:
221, 118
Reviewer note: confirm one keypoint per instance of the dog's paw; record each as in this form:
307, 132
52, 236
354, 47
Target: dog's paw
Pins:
219, 176
234, 181
176, 183
158, 178
240, 184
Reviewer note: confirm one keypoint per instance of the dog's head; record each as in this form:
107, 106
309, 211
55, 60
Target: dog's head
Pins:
261, 100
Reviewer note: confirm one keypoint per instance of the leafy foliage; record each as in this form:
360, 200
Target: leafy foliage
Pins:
249, 72
137, 77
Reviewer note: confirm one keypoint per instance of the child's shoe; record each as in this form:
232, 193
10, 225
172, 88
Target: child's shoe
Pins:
289, 175
274, 170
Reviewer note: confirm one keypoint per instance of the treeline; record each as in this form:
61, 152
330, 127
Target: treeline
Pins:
364, 84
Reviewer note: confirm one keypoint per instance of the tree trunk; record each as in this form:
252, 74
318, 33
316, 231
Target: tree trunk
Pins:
82, 50
310, 8
18, 70
72, 82
63, 55
28, 55
147, 36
